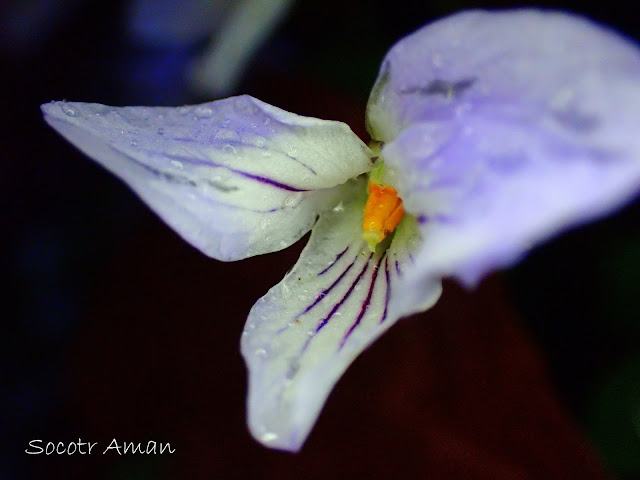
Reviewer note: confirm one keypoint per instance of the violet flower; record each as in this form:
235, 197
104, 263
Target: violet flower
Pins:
497, 130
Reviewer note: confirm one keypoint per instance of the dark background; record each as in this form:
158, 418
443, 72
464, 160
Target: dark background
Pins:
114, 327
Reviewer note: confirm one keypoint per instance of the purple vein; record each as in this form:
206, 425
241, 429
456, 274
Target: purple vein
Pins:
267, 180
327, 290
388, 292
365, 304
338, 257
335, 308
253, 176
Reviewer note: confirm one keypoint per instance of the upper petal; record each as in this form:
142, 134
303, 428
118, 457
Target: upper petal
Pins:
514, 63
235, 177
303, 334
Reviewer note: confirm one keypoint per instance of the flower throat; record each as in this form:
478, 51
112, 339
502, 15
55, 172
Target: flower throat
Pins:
383, 210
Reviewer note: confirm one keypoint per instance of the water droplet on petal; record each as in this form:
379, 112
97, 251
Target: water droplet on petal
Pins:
203, 111
261, 352
228, 148
268, 437
161, 131
177, 164
70, 111
134, 143
184, 110
225, 134
292, 200
244, 106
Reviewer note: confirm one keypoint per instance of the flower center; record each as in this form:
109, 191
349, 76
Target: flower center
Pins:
383, 210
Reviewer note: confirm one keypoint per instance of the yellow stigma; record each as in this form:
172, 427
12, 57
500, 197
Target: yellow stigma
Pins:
382, 213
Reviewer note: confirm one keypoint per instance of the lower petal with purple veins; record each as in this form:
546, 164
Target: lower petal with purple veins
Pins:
303, 334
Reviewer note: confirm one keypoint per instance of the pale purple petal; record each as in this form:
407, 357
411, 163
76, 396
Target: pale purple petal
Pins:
520, 64
509, 127
303, 334
235, 177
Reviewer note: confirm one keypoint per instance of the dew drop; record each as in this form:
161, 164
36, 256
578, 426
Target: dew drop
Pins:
134, 143
69, 111
261, 352
184, 110
267, 121
291, 201
161, 131
203, 111
268, 437
224, 134
177, 164
228, 148
244, 106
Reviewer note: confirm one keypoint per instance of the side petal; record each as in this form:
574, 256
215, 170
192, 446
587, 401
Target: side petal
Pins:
503, 129
303, 334
234, 178
493, 190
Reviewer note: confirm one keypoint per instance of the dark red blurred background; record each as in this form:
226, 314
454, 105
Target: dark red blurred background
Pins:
114, 327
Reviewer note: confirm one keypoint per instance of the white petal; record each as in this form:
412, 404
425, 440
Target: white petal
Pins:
303, 334
234, 178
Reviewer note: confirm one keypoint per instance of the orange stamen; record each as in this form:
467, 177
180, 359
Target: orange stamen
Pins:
382, 213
